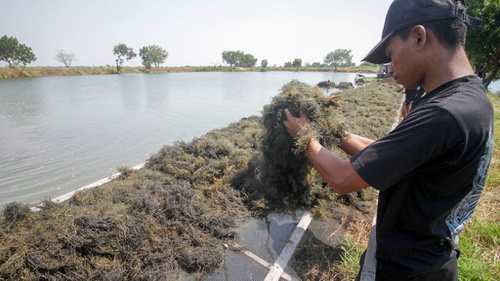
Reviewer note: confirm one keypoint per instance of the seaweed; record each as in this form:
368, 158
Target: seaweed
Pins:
14, 213
177, 211
287, 165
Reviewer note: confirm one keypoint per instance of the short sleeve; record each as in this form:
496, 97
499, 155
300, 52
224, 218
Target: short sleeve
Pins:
428, 134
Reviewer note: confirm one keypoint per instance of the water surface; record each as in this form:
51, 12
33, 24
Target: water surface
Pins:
60, 133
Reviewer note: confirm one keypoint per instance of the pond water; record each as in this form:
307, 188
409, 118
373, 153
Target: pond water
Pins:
494, 87
60, 133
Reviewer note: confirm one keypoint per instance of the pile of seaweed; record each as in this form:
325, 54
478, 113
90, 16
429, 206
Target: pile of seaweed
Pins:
175, 213
279, 172
147, 225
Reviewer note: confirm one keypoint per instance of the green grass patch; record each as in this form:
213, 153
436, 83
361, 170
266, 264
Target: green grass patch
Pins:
480, 240
480, 246
352, 251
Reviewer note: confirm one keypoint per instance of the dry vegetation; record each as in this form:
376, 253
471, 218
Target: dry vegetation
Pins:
177, 211
7, 73
26, 72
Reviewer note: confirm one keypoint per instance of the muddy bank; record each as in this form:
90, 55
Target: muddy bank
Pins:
177, 211
26, 72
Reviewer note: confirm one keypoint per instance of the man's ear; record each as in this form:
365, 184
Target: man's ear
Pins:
419, 36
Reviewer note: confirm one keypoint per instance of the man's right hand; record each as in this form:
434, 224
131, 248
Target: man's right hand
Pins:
295, 125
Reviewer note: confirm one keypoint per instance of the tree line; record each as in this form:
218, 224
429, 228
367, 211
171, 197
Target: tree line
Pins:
337, 58
152, 55
16, 54
483, 49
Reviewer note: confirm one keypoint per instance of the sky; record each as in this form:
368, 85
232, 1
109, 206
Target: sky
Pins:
194, 32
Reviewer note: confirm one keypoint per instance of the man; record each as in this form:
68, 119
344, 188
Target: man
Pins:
430, 170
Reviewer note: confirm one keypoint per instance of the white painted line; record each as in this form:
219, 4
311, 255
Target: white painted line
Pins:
258, 261
92, 185
279, 266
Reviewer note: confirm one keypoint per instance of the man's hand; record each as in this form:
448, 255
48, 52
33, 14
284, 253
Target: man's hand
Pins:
296, 125
337, 172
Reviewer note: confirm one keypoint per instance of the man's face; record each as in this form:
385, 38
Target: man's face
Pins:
404, 64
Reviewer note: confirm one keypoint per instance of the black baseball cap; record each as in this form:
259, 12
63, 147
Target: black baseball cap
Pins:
407, 13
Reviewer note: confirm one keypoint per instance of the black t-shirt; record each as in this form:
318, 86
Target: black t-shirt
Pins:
430, 171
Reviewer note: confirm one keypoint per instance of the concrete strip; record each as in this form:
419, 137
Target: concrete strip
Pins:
256, 260
369, 269
279, 266
92, 185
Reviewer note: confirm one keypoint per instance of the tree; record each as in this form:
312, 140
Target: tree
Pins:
153, 55
317, 64
122, 52
247, 61
238, 58
339, 57
65, 58
483, 43
231, 57
264, 63
14, 53
297, 63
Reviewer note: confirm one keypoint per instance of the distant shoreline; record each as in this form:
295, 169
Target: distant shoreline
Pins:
26, 72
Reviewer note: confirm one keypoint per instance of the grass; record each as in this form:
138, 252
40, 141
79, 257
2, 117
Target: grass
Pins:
480, 247
352, 251
480, 241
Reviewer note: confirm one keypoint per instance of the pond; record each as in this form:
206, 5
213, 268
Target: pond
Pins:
494, 87
61, 133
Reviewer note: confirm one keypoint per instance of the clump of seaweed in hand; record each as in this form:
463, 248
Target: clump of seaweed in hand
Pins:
300, 98
282, 163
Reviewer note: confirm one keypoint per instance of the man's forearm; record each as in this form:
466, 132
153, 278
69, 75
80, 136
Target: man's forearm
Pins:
337, 172
353, 143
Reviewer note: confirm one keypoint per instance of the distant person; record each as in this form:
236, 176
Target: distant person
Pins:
431, 169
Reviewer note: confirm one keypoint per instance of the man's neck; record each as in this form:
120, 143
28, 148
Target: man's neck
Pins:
445, 66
